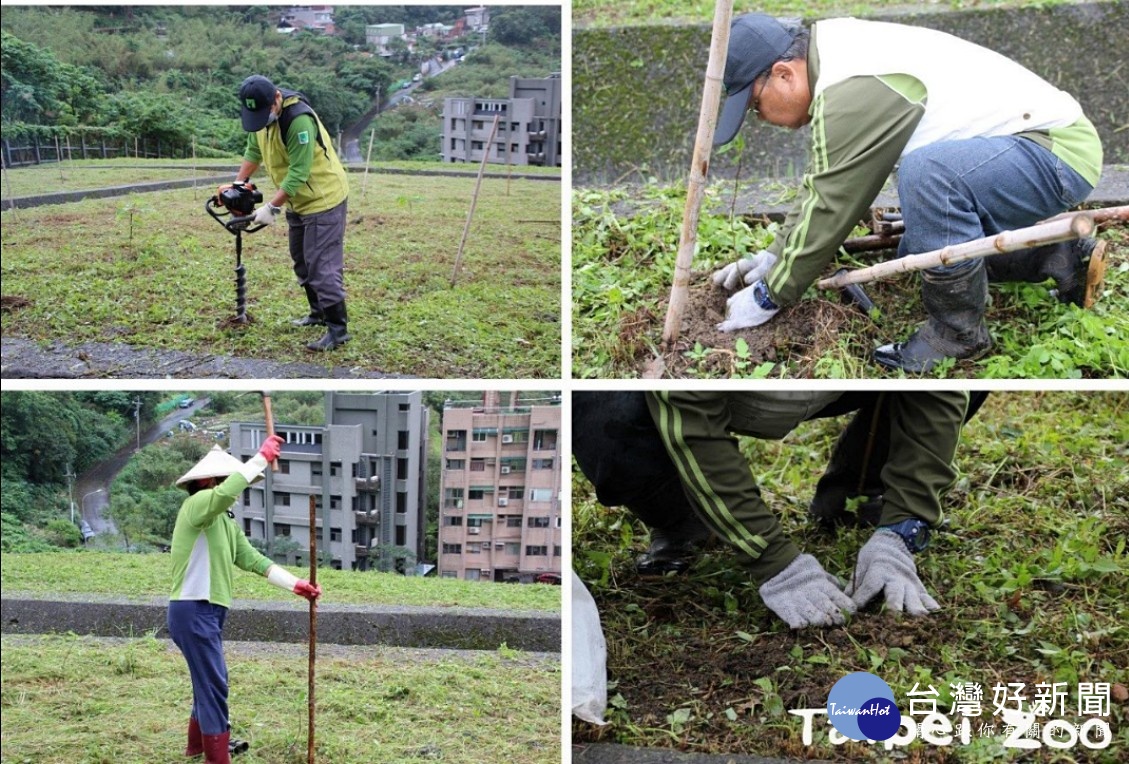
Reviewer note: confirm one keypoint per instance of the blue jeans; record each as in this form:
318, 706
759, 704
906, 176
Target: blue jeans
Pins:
956, 191
196, 626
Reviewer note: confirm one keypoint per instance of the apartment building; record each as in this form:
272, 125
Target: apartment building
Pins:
318, 18
366, 469
528, 128
500, 510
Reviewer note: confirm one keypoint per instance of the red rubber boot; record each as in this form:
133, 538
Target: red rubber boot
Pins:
215, 749
195, 738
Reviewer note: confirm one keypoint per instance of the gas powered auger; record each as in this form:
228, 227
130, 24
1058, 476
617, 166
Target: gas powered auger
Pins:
238, 204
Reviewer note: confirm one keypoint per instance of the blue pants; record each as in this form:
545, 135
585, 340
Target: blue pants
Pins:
196, 627
956, 191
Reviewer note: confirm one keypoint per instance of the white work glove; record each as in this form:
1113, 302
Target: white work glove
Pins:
266, 214
743, 311
804, 594
886, 566
745, 272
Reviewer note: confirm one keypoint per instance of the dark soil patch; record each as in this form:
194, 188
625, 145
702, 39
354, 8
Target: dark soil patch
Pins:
11, 303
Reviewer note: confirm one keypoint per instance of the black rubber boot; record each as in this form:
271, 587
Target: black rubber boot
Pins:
954, 302
1074, 265
316, 317
336, 332
855, 453
235, 747
673, 548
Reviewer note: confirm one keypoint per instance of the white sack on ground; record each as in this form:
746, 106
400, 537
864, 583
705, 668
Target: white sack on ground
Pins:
589, 657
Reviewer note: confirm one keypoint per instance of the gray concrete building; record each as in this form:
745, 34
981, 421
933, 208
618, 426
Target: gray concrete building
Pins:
529, 125
500, 508
366, 469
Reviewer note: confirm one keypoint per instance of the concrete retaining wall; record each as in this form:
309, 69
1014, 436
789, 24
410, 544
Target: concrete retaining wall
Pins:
637, 90
446, 628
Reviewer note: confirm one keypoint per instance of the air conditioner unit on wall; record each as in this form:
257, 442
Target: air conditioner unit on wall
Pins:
507, 438
503, 501
473, 530
506, 470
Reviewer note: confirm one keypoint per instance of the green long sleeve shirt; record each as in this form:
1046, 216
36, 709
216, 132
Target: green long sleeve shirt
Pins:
698, 430
207, 545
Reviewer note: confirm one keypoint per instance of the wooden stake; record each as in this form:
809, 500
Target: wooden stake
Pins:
474, 201
368, 158
699, 168
269, 417
1074, 227
311, 757
8, 184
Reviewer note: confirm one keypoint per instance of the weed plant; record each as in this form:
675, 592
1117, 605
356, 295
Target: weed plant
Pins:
1029, 568
624, 248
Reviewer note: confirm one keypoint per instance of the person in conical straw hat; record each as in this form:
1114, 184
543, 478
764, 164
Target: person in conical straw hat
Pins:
206, 547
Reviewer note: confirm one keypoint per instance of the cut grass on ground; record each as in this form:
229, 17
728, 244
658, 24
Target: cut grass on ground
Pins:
622, 269
147, 575
602, 13
154, 271
78, 700
1030, 572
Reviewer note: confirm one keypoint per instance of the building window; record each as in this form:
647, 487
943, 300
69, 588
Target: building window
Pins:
452, 549
513, 547
334, 534
556, 550
281, 529
544, 440
472, 575
281, 499
476, 522
542, 464
315, 469
453, 498
456, 440
334, 469
474, 548
538, 522
478, 494
479, 436
536, 551
477, 465
541, 494
515, 492
284, 466
513, 521
403, 438
449, 574
456, 464
401, 469
335, 502
405, 407
453, 521
401, 535
247, 526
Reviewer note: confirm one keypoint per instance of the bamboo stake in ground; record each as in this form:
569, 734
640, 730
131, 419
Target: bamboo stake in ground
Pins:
1074, 227
368, 158
699, 168
474, 201
310, 755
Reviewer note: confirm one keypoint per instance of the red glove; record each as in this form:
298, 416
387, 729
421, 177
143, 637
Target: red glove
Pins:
305, 589
271, 448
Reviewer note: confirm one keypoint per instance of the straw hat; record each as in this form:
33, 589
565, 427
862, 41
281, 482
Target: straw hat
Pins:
216, 463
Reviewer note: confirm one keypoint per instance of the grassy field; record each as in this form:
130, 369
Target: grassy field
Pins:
623, 265
603, 13
1030, 571
155, 271
76, 700
147, 575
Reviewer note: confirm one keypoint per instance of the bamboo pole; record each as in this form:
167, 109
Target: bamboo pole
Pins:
474, 201
1073, 227
368, 158
311, 756
194, 168
699, 168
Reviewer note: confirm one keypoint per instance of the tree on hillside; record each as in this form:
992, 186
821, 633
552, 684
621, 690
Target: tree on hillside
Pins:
39, 89
522, 25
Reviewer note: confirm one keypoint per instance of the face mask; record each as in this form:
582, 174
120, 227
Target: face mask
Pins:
272, 118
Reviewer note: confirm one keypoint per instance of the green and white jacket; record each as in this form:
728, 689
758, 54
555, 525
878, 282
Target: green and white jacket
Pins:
880, 91
207, 544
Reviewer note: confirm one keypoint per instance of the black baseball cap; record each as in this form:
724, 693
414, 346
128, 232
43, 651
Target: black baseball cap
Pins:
256, 96
756, 42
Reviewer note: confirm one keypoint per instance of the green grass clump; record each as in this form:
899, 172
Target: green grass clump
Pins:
154, 271
1029, 569
148, 575
79, 700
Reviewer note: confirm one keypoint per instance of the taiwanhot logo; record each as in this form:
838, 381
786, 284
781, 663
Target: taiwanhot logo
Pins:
861, 707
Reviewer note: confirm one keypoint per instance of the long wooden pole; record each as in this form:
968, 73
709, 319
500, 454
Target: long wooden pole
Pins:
269, 417
474, 200
699, 168
1074, 227
368, 159
311, 757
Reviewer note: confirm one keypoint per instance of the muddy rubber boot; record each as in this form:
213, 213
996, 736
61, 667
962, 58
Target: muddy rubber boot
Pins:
216, 748
1077, 267
955, 327
844, 474
673, 548
315, 317
195, 745
336, 330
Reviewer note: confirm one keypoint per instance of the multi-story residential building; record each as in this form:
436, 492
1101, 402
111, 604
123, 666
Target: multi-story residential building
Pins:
380, 36
528, 131
366, 469
500, 510
313, 17
477, 18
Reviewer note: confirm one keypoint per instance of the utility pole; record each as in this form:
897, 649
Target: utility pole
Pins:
70, 476
137, 420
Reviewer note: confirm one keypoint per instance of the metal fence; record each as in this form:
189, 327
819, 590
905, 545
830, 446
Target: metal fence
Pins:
35, 151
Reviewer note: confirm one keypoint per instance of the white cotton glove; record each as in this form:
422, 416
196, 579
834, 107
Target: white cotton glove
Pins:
804, 594
266, 214
743, 311
886, 566
253, 467
745, 272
